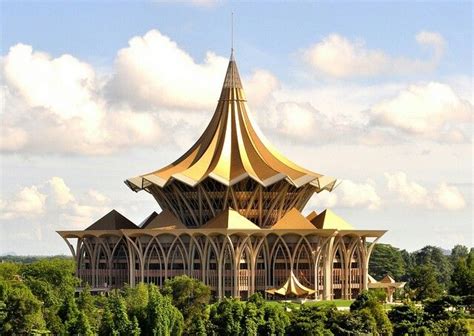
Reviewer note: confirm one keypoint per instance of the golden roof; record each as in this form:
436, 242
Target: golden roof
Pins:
293, 220
329, 220
165, 220
231, 220
292, 286
231, 149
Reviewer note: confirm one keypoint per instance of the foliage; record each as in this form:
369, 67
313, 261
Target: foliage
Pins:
310, 321
386, 259
190, 296
406, 319
162, 317
423, 281
370, 302
434, 256
21, 310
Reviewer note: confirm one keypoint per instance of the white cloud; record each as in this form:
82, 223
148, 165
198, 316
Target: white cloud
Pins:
349, 194
61, 192
339, 57
54, 202
28, 202
412, 193
431, 110
153, 70
408, 191
57, 105
449, 197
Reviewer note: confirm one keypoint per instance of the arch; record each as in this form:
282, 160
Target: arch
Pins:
212, 266
154, 270
303, 263
245, 271
227, 270
119, 265
280, 265
261, 268
177, 258
338, 262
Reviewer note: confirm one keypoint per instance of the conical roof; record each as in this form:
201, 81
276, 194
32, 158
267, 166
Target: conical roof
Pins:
231, 149
292, 286
114, 220
164, 220
293, 220
329, 220
231, 220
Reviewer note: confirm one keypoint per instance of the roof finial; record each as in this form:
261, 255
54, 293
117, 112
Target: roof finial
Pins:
232, 36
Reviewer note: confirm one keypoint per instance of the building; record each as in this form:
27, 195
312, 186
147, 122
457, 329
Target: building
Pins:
231, 217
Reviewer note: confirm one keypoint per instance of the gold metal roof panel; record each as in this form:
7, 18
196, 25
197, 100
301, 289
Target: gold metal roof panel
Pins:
232, 148
293, 220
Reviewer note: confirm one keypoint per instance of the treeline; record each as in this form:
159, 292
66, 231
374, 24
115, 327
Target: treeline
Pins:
429, 272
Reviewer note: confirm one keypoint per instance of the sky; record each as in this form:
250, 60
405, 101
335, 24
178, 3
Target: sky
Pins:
378, 95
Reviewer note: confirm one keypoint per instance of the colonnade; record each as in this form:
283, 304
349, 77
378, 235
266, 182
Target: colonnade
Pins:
231, 264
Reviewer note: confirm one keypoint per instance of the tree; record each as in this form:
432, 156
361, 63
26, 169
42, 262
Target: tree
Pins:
226, 317
462, 279
386, 259
189, 295
434, 256
115, 320
87, 304
406, 319
344, 323
370, 302
22, 313
309, 321
136, 300
162, 317
458, 251
423, 280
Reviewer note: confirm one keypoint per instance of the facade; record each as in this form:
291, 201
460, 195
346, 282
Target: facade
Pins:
231, 217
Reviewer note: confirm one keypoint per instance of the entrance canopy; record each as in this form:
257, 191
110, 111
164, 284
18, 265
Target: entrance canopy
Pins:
292, 287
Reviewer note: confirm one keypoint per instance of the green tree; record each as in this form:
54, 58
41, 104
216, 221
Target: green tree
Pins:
434, 256
370, 302
226, 317
462, 278
272, 319
189, 295
345, 323
162, 317
22, 313
87, 304
406, 319
458, 251
309, 320
136, 300
386, 259
423, 280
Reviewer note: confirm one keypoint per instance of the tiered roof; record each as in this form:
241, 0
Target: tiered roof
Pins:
231, 149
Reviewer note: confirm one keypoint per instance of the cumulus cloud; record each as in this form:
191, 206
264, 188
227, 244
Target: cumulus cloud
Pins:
349, 194
40, 203
26, 203
431, 110
155, 71
337, 56
62, 105
412, 193
56, 105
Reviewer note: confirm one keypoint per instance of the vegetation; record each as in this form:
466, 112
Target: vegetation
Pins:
40, 298
429, 272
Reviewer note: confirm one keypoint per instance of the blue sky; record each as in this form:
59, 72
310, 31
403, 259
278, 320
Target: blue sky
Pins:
377, 94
